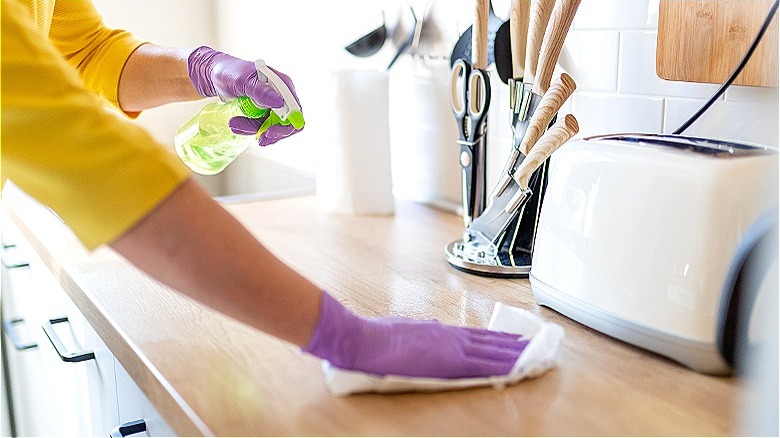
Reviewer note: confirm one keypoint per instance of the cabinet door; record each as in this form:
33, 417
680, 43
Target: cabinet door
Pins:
49, 395
101, 381
23, 339
134, 407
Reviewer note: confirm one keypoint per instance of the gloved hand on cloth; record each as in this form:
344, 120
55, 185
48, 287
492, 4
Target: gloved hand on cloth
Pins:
406, 347
400, 354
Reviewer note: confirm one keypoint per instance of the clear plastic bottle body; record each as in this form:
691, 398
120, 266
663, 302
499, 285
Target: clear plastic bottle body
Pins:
206, 144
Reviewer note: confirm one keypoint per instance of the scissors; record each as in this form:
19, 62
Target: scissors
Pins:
470, 99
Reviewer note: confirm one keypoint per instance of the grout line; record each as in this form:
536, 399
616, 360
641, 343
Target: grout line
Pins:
619, 74
663, 116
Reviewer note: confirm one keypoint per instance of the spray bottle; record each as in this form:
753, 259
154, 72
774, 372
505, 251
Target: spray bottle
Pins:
206, 143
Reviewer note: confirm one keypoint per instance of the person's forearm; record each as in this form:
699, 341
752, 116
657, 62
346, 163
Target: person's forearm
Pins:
211, 258
153, 76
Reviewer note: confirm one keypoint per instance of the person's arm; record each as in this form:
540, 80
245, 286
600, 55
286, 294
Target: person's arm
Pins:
112, 183
214, 260
153, 76
210, 257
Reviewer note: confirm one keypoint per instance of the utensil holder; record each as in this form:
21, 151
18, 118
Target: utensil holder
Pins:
511, 254
515, 247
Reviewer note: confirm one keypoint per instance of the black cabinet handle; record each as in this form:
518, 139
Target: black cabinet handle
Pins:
10, 328
11, 264
65, 355
130, 428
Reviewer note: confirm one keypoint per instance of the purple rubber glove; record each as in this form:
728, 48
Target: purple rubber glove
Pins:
214, 73
406, 347
249, 126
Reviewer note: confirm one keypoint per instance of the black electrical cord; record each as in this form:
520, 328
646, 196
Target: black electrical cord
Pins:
734, 75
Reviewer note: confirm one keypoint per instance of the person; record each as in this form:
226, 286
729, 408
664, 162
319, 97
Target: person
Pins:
113, 184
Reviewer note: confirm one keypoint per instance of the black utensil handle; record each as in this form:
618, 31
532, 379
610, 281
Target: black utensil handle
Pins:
10, 329
130, 428
62, 352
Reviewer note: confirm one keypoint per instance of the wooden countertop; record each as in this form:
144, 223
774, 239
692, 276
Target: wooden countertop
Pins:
209, 375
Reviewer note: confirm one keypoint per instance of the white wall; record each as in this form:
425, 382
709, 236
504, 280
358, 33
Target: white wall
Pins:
173, 23
610, 52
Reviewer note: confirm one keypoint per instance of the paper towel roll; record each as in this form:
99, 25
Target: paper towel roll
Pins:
353, 169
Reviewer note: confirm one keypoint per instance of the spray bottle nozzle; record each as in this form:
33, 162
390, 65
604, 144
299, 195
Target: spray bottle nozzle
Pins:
290, 113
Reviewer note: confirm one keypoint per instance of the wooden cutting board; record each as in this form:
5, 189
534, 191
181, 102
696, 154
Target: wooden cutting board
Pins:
704, 40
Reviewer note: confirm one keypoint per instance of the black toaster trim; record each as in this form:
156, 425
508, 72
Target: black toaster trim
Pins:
704, 146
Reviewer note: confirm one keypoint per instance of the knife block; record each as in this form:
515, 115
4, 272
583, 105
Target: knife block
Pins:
515, 247
510, 253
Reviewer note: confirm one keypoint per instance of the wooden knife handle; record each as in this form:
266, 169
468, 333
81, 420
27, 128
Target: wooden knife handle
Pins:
537, 22
560, 21
479, 35
550, 104
518, 34
556, 136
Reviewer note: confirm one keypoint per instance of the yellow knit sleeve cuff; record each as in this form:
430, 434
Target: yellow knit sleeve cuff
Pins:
111, 68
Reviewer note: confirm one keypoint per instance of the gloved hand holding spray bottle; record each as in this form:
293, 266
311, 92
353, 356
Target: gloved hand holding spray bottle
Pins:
258, 105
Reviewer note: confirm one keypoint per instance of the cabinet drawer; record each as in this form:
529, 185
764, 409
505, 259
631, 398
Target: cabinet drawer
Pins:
134, 406
101, 382
48, 395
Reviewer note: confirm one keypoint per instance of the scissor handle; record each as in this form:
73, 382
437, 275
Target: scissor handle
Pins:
478, 92
459, 86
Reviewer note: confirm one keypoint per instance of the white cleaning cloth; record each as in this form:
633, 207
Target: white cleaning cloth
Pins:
535, 360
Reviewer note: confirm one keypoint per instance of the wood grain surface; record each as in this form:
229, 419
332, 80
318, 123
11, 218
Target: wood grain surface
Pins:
207, 374
564, 129
561, 17
705, 40
518, 34
549, 105
539, 15
479, 40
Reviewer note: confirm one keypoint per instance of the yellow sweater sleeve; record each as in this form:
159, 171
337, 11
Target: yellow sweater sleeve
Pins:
61, 145
97, 52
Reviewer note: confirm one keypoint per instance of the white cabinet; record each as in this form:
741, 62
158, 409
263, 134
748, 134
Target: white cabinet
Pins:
101, 385
61, 377
135, 408
44, 389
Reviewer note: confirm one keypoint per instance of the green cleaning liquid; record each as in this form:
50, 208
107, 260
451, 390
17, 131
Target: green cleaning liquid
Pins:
206, 144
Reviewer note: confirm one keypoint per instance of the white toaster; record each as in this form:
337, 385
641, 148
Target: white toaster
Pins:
642, 237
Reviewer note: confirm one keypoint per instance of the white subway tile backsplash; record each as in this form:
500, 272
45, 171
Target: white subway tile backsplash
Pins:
751, 94
616, 14
753, 122
605, 114
678, 110
591, 58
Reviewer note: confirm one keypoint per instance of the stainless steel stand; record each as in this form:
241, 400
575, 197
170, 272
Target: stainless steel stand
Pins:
511, 256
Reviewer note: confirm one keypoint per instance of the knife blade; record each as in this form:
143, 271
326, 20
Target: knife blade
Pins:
485, 231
